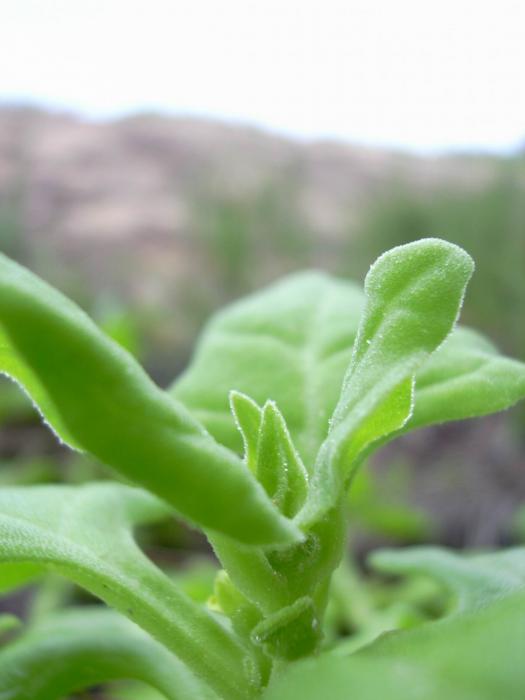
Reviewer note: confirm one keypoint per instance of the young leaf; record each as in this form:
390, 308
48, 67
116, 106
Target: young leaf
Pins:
76, 649
98, 398
84, 533
270, 452
274, 459
247, 416
414, 294
278, 465
288, 343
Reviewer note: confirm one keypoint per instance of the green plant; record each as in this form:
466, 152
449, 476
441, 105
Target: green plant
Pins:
487, 220
317, 375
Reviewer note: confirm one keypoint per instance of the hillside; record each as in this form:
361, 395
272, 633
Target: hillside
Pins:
89, 194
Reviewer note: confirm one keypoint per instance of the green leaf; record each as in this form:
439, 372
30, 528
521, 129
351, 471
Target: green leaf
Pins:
292, 343
252, 573
14, 367
414, 294
474, 580
475, 658
291, 632
288, 343
84, 534
130, 690
279, 469
278, 465
475, 653
270, 453
98, 398
247, 416
464, 378
74, 650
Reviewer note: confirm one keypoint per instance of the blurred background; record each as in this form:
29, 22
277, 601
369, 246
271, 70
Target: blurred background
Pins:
160, 159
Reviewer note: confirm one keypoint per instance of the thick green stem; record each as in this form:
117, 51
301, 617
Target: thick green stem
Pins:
252, 573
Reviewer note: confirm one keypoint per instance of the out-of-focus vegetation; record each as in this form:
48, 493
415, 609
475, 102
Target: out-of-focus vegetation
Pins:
11, 228
384, 507
263, 232
238, 242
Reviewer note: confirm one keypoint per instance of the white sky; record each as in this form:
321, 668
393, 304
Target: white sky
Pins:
422, 74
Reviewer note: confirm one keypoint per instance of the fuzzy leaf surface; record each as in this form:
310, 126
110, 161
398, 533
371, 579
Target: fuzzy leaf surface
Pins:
292, 343
414, 294
288, 343
96, 397
278, 465
413, 297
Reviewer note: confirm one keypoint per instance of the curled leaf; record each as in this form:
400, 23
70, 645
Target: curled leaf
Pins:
413, 297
